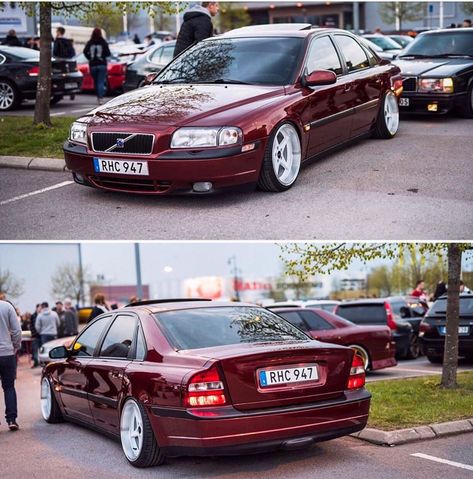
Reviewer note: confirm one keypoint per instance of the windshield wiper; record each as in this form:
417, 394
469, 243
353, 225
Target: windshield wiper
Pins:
451, 55
412, 55
229, 80
173, 80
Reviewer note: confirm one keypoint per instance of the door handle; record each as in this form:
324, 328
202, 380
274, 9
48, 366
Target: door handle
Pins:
347, 88
116, 374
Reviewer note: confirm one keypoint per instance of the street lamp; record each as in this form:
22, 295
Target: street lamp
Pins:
232, 261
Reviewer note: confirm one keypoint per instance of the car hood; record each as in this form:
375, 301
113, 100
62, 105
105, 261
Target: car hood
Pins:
437, 67
178, 104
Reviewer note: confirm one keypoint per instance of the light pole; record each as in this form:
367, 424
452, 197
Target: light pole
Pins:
232, 261
81, 275
139, 285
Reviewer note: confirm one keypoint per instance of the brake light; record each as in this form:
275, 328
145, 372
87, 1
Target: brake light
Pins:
390, 317
397, 86
356, 379
33, 72
205, 389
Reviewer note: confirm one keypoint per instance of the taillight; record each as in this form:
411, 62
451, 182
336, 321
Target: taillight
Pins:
396, 85
33, 72
390, 317
356, 379
424, 327
205, 389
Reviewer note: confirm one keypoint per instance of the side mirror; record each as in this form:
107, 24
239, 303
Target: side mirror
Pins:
59, 352
319, 78
149, 78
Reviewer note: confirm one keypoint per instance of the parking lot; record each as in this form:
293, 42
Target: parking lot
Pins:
62, 450
416, 186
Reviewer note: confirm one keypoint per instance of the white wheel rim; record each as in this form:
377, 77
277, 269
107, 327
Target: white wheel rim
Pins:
7, 96
131, 430
46, 399
363, 355
391, 113
286, 155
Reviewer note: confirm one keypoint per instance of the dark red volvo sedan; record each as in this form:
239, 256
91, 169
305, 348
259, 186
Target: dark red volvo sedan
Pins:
187, 377
245, 108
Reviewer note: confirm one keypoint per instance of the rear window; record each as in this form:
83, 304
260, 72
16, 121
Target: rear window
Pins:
208, 327
363, 313
439, 308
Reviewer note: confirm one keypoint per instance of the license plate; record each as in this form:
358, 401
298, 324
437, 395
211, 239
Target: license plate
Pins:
290, 375
461, 330
403, 101
102, 165
70, 86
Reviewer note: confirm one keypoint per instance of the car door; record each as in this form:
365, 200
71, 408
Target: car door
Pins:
327, 106
320, 328
364, 87
72, 376
106, 372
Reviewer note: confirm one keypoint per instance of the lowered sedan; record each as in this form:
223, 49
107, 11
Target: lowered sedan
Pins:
437, 71
246, 108
187, 377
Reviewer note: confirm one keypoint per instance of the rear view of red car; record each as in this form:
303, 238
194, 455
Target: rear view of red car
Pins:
116, 73
204, 378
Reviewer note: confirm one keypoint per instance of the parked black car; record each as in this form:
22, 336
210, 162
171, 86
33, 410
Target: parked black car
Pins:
438, 73
151, 62
394, 312
19, 69
433, 328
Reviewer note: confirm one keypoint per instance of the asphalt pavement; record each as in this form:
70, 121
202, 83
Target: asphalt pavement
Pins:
415, 186
40, 450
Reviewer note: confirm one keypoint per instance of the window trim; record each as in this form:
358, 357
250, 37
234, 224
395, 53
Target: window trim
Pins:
102, 339
345, 64
107, 316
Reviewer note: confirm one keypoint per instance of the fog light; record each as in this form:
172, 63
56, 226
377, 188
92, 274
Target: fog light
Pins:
432, 107
202, 186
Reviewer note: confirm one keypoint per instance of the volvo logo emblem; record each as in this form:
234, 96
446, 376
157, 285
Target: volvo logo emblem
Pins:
120, 143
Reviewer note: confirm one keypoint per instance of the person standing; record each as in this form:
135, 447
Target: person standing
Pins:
12, 40
47, 324
197, 26
100, 306
59, 310
71, 322
36, 343
96, 51
62, 47
419, 290
10, 343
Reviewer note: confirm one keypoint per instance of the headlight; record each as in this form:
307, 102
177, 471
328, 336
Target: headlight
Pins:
78, 133
206, 137
436, 85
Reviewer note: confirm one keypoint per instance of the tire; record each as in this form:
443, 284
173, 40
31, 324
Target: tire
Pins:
413, 351
281, 164
363, 353
9, 95
435, 359
387, 122
56, 99
137, 438
49, 406
467, 109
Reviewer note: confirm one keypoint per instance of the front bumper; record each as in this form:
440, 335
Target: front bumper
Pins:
170, 171
419, 102
226, 430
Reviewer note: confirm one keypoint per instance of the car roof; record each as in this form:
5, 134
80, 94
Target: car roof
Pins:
371, 301
301, 30
448, 30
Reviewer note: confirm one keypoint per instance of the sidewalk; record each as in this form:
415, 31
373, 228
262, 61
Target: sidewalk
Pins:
33, 163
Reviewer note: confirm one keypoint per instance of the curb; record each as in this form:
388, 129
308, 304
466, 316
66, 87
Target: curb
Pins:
419, 433
33, 163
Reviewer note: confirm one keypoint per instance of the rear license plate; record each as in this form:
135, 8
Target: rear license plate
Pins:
122, 167
70, 86
403, 101
289, 375
461, 330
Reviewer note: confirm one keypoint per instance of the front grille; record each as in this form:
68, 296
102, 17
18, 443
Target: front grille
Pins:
409, 84
123, 143
132, 184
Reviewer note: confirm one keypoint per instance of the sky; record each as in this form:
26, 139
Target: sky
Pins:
35, 263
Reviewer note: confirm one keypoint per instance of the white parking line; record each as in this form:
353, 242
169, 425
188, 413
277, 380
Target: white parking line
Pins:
37, 192
58, 113
443, 461
416, 371
82, 109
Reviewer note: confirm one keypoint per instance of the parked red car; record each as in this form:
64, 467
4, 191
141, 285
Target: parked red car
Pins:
116, 73
189, 377
374, 344
247, 107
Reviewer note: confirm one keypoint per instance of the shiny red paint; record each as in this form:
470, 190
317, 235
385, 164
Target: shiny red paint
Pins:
92, 390
322, 116
376, 340
116, 73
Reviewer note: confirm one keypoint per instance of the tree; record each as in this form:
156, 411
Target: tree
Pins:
68, 280
467, 7
308, 258
394, 13
10, 285
232, 15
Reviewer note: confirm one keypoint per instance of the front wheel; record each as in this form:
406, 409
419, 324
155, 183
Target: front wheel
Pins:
282, 159
387, 122
467, 109
137, 437
49, 406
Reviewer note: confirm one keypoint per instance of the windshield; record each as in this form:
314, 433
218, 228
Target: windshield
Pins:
441, 44
207, 327
439, 308
385, 43
269, 61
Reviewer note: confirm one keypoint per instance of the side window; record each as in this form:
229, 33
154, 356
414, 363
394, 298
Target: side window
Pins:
156, 56
168, 52
90, 336
141, 349
119, 338
323, 56
315, 322
354, 54
295, 319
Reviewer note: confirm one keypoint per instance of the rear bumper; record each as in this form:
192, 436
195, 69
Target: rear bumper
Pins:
226, 430
402, 343
418, 102
436, 346
60, 85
